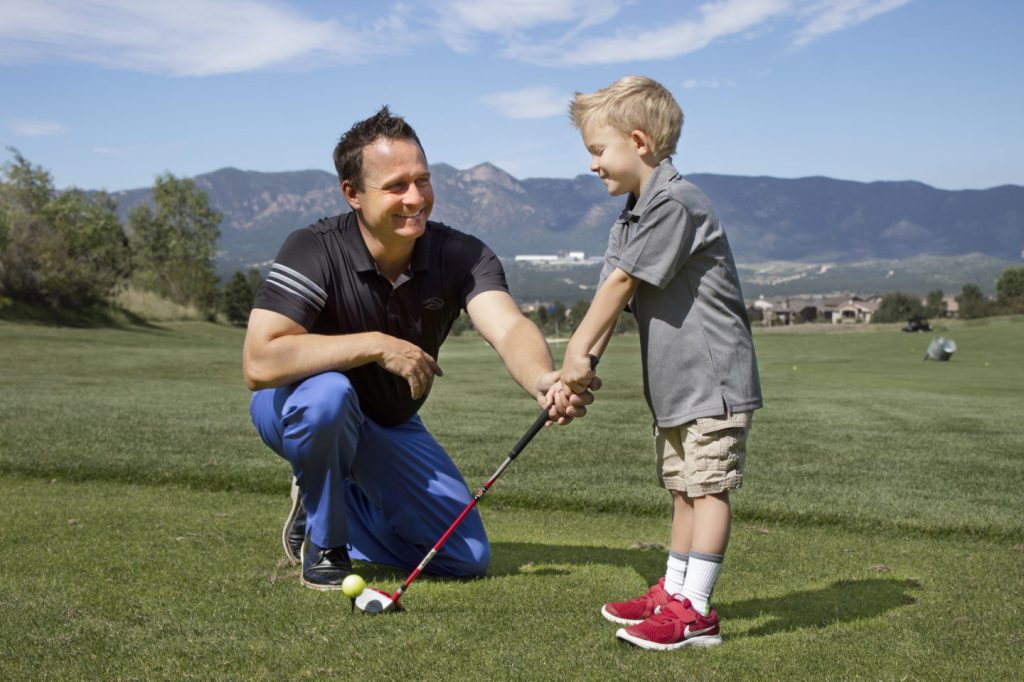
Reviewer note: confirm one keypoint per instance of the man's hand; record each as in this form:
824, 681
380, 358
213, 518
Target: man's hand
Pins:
411, 363
564, 405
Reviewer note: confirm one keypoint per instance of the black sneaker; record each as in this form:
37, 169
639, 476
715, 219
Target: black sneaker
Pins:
324, 568
294, 530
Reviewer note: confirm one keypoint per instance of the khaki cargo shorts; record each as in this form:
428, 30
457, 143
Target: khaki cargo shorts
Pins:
705, 456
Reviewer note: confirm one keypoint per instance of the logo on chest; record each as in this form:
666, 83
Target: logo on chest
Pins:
433, 303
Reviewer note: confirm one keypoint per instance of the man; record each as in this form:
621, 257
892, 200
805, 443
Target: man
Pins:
341, 351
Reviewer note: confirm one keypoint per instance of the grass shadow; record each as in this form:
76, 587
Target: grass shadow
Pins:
843, 601
519, 558
88, 317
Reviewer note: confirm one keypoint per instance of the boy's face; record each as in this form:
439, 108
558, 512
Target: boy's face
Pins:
617, 158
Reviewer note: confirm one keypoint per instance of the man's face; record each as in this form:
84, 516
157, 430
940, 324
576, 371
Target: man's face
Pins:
397, 196
615, 158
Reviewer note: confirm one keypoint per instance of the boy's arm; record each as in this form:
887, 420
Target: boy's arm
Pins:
592, 335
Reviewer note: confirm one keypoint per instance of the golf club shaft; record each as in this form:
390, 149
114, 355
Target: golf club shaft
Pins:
537, 425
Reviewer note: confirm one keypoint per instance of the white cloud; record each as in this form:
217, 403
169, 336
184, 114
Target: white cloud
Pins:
709, 83
33, 128
539, 102
461, 20
176, 37
714, 20
829, 16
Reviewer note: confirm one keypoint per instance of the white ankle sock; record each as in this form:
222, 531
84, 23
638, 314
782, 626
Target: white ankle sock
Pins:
675, 572
701, 575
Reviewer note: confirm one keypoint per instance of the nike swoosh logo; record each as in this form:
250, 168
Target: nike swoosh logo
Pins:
687, 632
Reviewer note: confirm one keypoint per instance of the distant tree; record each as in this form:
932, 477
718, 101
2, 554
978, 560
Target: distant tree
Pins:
626, 324
175, 242
935, 304
898, 307
577, 312
972, 302
239, 296
64, 249
1010, 290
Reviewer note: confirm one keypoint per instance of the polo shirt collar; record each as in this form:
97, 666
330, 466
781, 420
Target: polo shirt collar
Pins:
363, 261
635, 206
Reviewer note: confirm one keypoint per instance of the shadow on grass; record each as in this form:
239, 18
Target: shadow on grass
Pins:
89, 317
520, 558
843, 601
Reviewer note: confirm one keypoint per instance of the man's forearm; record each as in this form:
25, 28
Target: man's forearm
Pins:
289, 358
526, 354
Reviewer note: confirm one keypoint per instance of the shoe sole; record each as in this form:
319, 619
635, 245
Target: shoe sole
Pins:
618, 619
702, 641
294, 512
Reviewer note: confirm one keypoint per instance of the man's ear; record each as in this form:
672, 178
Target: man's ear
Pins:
642, 142
350, 194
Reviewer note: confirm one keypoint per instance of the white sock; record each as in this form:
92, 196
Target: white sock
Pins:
675, 572
701, 575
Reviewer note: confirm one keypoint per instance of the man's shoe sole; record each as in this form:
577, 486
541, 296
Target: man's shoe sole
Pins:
703, 641
288, 522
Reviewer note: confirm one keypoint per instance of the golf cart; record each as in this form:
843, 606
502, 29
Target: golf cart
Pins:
917, 324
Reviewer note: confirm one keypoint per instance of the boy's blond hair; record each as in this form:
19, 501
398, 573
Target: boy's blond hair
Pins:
633, 103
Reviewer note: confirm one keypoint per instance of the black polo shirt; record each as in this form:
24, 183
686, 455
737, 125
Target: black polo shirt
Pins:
325, 279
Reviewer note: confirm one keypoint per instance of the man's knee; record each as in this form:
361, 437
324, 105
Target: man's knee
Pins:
474, 561
323, 403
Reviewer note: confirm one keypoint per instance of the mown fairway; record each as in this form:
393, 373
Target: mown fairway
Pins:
878, 536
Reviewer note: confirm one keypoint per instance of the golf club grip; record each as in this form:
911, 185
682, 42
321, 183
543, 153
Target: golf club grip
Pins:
539, 422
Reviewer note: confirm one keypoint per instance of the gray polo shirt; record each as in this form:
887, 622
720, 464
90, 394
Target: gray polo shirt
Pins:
696, 346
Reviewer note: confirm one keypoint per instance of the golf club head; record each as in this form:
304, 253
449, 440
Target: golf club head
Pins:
374, 601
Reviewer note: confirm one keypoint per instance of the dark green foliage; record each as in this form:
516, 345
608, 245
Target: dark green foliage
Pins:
239, 295
934, 305
973, 303
1010, 290
898, 307
175, 242
62, 250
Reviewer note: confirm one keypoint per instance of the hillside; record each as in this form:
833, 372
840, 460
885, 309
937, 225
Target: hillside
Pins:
813, 220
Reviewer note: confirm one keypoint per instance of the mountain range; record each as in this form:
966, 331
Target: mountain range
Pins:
807, 220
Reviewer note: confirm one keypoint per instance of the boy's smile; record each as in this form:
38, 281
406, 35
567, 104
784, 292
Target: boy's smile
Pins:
623, 162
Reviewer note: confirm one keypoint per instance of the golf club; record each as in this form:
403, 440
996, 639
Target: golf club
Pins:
375, 601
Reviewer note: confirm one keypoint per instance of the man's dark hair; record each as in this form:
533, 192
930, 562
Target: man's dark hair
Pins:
348, 153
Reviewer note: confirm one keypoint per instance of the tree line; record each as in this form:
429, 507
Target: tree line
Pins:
68, 251
1009, 300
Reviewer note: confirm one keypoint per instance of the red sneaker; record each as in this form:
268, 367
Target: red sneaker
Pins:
675, 625
635, 611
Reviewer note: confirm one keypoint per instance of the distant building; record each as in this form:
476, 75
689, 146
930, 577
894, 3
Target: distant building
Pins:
562, 258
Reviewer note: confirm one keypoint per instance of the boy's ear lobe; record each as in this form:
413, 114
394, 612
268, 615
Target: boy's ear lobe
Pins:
642, 142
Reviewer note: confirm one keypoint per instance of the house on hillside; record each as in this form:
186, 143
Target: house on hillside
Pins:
803, 308
856, 309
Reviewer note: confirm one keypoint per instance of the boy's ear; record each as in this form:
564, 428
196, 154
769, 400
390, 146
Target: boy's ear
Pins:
642, 142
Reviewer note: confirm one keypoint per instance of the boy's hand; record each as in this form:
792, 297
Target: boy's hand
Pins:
562, 404
577, 372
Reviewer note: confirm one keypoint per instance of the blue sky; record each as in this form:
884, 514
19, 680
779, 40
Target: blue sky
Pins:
106, 94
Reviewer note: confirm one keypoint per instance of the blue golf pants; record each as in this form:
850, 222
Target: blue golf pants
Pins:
387, 492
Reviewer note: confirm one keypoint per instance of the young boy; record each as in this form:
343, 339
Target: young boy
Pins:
669, 260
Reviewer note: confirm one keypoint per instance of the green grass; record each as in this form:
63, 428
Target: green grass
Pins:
878, 535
